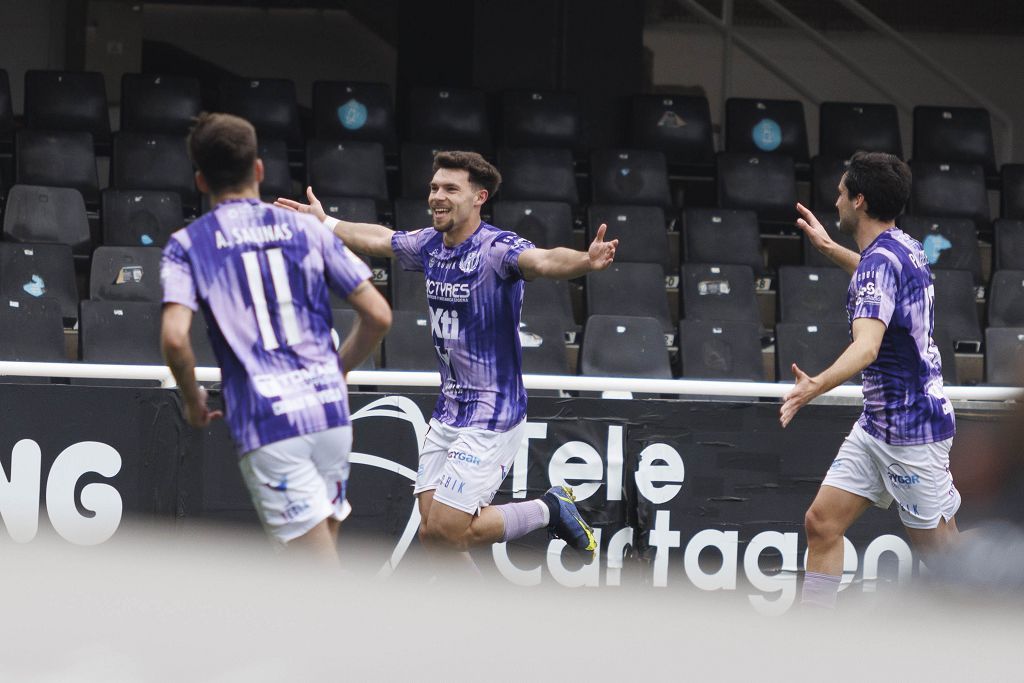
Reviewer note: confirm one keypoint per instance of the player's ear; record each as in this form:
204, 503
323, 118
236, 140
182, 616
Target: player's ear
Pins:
481, 197
258, 171
201, 184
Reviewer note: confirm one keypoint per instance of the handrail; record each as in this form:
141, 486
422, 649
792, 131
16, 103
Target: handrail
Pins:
392, 378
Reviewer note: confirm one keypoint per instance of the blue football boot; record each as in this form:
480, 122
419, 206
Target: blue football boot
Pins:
566, 522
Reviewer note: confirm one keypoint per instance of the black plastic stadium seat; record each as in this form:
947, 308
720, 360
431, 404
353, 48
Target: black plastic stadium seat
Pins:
1004, 356
47, 214
33, 331
826, 172
764, 183
412, 214
948, 242
277, 176
679, 126
344, 110
813, 257
152, 161
718, 292
120, 332
1006, 299
624, 346
154, 103
943, 339
125, 274
347, 169
629, 176
6, 114
812, 346
417, 168
68, 101
812, 295
408, 289
269, 104
531, 118
57, 159
542, 339
955, 307
961, 135
546, 224
722, 236
754, 126
538, 174
408, 345
143, 218
454, 117
343, 320
953, 190
1012, 184
848, 127
639, 229
630, 289
720, 349
1009, 244
30, 272
546, 298
353, 209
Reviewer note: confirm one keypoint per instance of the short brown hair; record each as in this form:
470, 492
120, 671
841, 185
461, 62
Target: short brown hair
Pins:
223, 148
481, 172
883, 179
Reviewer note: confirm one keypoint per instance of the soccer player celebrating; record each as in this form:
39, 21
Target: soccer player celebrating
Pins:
474, 278
899, 448
260, 274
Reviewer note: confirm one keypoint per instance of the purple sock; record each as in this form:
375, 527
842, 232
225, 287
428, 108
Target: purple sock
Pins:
522, 518
820, 590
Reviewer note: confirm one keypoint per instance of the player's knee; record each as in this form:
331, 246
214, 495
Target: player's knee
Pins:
819, 526
437, 534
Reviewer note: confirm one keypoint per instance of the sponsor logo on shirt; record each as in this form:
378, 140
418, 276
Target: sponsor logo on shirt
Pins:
459, 456
901, 478
444, 324
448, 291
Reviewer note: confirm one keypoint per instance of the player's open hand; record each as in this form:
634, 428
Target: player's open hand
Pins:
602, 253
198, 413
815, 231
314, 208
804, 390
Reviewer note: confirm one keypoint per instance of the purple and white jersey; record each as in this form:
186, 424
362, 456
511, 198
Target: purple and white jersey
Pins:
904, 402
261, 274
475, 296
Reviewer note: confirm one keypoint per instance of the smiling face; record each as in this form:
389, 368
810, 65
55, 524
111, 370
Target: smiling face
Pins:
454, 200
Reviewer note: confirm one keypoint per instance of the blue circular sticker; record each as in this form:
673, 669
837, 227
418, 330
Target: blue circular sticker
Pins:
934, 245
352, 114
767, 135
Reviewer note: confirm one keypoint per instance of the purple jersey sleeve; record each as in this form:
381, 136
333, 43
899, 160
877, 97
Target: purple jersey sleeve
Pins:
176, 274
876, 281
408, 247
504, 254
344, 270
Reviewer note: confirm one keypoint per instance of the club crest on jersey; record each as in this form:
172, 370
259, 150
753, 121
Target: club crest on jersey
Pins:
469, 262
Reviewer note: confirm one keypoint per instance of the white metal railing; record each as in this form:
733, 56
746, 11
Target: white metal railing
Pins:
682, 387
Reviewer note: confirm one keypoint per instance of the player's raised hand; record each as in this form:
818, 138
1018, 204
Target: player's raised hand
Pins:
314, 207
602, 253
816, 232
804, 390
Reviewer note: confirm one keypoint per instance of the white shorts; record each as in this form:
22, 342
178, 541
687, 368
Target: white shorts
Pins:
299, 482
464, 466
916, 477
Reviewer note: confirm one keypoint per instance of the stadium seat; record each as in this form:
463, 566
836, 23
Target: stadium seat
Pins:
639, 229
547, 298
540, 119
143, 218
199, 335
125, 274
269, 104
31, 272
120, 332
948, 242
47, 214
951, 190
629, 176
6, 114
344, 110
1006, 299
754, 126
57, 159
68, 101
347, 169
542, 339
538, 174
624, 346
408, 289
277, 175
957, 135
1012, 196
813, 257
1008, 250
453, 117
718, 292
678, 126
720, 349
417, 168
848, 127
343, 320
812, 346
943, 340
826, 172
812, 295
152, 103
408, 345
353, 209
546, 224
955, 307
630, 289
151, 161
1004, 356
412, 214
764, 183
722, 236
33, 331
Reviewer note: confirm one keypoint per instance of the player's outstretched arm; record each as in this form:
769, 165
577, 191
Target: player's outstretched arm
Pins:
373, 320
820, 240
177, 349
363, 238
562, 263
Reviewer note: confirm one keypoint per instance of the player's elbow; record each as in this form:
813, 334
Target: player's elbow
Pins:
378, 318
173, 344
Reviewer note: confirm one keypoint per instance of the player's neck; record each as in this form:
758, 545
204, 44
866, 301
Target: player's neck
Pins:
229, 195
460, 233
868, 230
